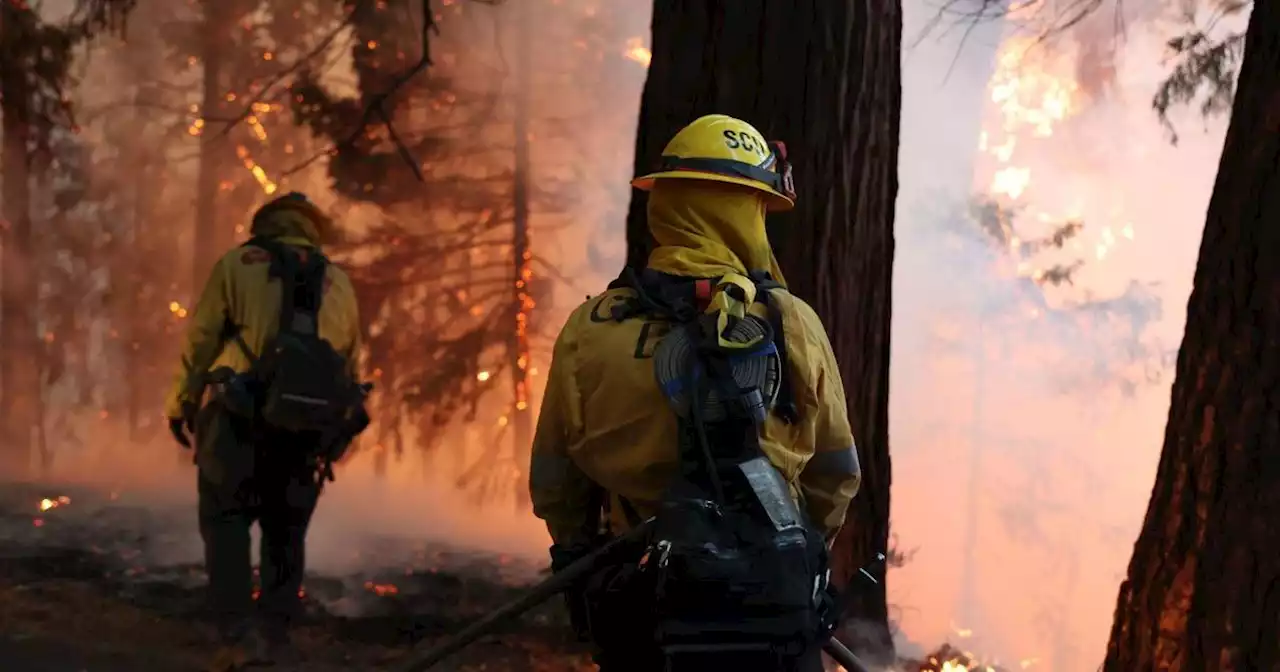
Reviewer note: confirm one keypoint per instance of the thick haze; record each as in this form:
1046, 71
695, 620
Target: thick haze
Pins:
1025, 429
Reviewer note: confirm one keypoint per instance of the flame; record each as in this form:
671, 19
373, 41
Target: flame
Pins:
47, 504
636, 51
1033, 93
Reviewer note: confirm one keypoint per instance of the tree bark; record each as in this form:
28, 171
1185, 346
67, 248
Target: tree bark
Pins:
522, 256
1201, 591
823, 76
212, 235
19, 384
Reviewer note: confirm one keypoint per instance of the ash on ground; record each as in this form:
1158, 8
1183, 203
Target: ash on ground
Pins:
90, 580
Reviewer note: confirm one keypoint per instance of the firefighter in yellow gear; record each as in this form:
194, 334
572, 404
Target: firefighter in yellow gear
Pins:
249, 471
606, 427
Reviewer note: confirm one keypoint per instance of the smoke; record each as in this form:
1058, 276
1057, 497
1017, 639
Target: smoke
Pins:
138, 102
1027, 416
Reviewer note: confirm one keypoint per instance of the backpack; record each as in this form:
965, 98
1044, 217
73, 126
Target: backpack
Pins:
733, 564
303, 383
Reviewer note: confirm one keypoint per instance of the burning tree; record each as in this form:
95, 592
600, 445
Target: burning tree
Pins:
438, 150
834, 98
1022, 256
1191, 597
247, 52
107, 312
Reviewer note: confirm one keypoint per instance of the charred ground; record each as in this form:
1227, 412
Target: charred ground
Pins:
93, 583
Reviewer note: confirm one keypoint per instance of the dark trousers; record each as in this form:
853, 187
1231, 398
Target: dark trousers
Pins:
249, 473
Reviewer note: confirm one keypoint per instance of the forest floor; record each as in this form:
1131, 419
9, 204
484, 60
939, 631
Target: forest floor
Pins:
84, 587
88, 584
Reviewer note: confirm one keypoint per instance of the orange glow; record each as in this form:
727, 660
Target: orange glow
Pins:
638, 52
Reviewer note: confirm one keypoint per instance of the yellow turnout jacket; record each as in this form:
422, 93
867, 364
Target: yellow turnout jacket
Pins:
239, 290
605, 422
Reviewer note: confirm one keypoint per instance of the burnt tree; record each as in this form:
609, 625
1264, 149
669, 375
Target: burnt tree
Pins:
1198, 592
19, 33
825, 78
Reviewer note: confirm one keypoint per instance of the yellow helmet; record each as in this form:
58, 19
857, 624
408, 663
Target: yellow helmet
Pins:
719, 148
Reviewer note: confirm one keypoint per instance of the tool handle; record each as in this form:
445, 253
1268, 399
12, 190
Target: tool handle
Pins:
841, 654
553, 585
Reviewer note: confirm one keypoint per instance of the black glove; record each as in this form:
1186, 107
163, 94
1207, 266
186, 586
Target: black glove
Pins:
184, 427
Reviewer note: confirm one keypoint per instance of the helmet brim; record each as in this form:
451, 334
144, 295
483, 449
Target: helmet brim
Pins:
774, 201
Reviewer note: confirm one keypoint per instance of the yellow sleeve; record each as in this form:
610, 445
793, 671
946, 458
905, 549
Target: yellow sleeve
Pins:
831, 477
561, 493
204, 340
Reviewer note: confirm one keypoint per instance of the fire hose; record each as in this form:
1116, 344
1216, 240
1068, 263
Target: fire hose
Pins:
560, 581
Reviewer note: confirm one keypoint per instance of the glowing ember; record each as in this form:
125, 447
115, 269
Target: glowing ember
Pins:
258, 173
637, 52
482, 376
177, 309
381, 589
46, 504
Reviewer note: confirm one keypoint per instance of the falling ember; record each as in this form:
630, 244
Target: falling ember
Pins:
259, 131
636, 51
177, 309
258, 173
482, 376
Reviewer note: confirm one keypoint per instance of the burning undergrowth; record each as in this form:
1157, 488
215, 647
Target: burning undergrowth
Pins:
89, 552
948, 658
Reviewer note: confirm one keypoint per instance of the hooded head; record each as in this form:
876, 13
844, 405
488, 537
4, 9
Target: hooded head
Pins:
292, 218
709, 229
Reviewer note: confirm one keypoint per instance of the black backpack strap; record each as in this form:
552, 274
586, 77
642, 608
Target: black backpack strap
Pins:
661, 295
231, 332
302, 274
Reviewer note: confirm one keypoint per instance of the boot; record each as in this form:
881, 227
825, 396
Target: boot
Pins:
240, 651
279, 646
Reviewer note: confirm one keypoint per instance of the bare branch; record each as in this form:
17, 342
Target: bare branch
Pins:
291, 70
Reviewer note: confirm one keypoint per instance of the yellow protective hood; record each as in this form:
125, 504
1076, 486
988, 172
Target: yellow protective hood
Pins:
297, 222
708, 231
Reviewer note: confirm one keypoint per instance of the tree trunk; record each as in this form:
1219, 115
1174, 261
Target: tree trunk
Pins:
19, 384
518, 348
1199, 594
211, 234
825, 78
